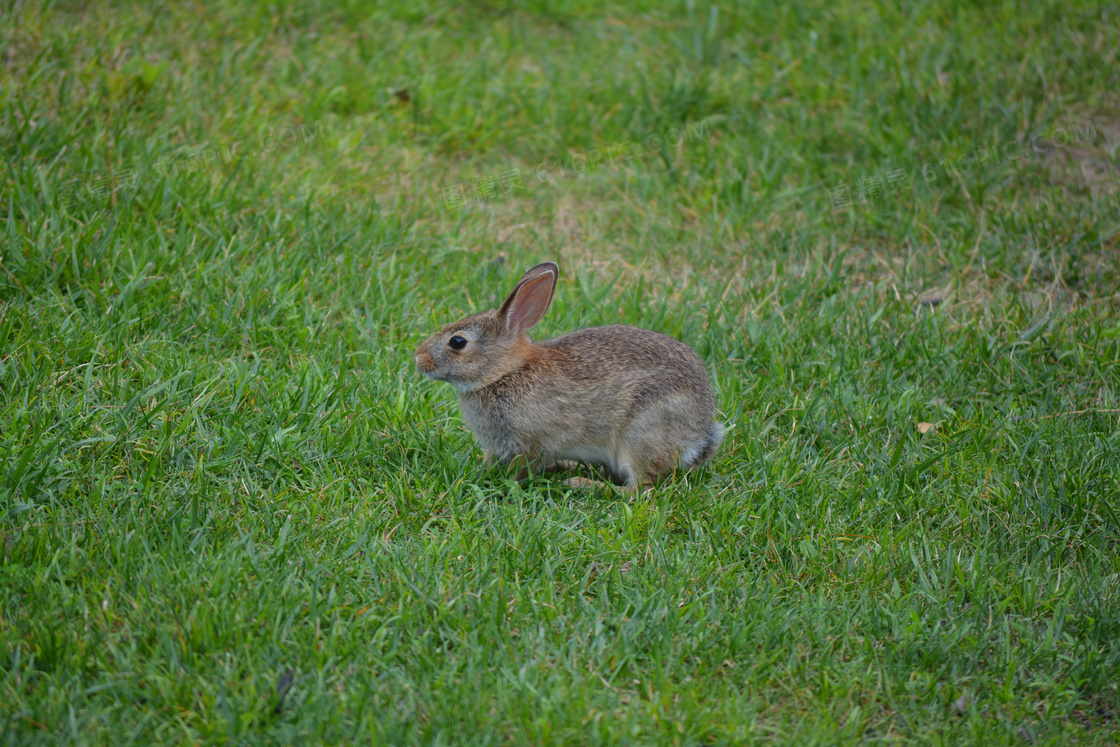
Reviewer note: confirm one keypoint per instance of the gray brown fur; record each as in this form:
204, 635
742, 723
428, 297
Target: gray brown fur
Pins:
634, 401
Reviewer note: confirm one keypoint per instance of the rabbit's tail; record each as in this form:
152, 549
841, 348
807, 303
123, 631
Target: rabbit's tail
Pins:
708, 445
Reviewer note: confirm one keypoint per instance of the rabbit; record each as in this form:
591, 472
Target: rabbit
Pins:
633, 401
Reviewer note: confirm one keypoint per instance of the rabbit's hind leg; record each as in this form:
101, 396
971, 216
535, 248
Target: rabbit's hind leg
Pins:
621, 472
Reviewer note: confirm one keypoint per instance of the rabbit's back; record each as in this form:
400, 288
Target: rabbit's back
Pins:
617, 352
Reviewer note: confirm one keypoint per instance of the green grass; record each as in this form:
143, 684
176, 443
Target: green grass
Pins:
233, 512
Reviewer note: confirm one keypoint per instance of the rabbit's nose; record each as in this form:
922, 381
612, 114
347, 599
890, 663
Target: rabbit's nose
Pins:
424, 361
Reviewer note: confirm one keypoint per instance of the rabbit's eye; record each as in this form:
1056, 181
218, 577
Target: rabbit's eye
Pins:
457, 343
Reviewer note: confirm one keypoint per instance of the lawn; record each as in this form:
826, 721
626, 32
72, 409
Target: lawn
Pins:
232, 511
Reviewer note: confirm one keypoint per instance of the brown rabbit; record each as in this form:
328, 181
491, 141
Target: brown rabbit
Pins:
633, 401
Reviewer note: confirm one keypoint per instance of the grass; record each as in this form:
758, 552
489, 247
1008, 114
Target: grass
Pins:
232, 512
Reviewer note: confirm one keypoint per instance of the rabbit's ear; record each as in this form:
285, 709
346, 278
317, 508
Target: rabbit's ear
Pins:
530, 299
539, 269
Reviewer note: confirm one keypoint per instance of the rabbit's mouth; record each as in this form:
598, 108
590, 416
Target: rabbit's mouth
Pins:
427, 365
